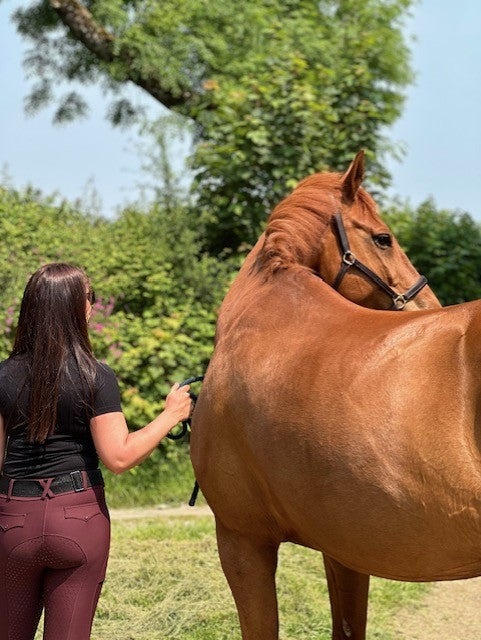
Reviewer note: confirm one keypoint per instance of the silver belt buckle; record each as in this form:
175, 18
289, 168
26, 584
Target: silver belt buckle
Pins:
76, 485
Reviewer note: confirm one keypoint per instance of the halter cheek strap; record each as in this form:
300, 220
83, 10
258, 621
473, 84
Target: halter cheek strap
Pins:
349, 260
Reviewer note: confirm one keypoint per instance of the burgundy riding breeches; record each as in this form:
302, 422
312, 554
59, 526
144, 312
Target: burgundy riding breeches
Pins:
53, 553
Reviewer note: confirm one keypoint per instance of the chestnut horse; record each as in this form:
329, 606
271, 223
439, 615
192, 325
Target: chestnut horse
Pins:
306, 457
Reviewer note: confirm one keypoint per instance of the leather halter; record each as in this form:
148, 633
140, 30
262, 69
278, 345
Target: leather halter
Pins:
349, 260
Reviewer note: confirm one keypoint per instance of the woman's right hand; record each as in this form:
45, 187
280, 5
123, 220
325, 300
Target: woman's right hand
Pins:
178, 403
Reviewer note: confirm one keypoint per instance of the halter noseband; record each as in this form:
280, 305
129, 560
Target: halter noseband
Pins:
349, 260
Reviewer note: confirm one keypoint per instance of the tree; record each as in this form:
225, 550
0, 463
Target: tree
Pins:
443, 245
276, 88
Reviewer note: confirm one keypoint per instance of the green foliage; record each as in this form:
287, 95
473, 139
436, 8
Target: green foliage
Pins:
35, 230
155, 317
277, 89
443, 245
326, 82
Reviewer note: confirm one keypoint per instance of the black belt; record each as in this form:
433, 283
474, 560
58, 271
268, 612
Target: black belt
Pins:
30, 487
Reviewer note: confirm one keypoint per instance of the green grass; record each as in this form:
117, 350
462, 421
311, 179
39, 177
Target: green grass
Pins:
164, 581
157, 480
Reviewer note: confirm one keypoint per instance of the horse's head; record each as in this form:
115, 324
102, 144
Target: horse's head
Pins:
330, 225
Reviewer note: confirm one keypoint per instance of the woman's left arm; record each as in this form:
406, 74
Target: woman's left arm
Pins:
2, 441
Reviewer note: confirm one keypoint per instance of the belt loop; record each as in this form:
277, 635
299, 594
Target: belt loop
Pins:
84, 479
10, 488
78, 477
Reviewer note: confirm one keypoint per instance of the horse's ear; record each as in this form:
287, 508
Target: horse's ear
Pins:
351, 180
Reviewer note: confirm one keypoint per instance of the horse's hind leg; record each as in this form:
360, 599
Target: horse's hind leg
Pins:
348, 592
250, 568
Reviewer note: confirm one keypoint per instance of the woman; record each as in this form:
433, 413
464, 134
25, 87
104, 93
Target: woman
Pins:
61, 411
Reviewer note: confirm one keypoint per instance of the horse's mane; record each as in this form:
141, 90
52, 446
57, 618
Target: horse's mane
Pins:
296, 225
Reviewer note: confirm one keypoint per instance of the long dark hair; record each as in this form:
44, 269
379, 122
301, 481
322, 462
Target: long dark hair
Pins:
52, 326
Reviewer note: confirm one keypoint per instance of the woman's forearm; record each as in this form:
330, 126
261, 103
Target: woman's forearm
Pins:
140, 444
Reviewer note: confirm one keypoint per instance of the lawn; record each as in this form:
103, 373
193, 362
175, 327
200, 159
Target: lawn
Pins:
164, 581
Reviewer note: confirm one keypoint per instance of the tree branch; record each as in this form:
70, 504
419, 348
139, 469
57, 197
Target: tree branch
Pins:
100, 42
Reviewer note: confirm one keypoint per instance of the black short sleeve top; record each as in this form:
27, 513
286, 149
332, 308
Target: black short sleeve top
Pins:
71, 446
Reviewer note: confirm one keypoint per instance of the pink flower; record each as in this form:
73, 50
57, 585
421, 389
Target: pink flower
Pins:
115, 351
109, 307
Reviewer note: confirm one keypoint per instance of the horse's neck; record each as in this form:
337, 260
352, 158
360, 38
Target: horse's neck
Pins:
300, 286
245, 279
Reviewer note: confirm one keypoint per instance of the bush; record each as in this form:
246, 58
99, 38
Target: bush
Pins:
443, 245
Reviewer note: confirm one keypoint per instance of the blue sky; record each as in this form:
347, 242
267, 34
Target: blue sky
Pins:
440, 128
441, 122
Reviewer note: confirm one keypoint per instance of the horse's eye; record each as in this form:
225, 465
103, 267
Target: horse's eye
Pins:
383, 240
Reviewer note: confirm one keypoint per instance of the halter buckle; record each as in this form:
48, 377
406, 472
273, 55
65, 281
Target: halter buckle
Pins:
399, 302
349, 258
